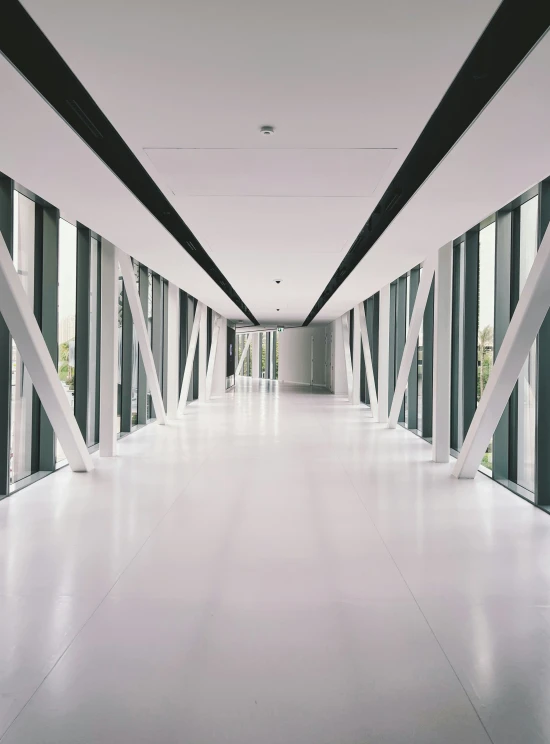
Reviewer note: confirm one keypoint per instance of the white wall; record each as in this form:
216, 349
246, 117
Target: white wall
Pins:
295, 355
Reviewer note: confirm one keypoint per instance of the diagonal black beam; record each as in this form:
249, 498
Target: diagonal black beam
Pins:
24, 45
514, 30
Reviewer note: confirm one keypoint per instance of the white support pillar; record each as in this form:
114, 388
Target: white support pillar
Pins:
441, 440
383, 354
220, 363
19, 318
213, 354
362, 321
108, 380
188, 371
255, 345
203, 338
428, 269
356, 395
526, 321
142, 335
347, 355
243, 355
172, 358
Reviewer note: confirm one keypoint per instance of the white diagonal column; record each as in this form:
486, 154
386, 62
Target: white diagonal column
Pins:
142, 335
347, 354
441, 439
428, 269
243, 355
383, 354
362, 321
526, 321
19, 318
108, 379
188, 371
203, 338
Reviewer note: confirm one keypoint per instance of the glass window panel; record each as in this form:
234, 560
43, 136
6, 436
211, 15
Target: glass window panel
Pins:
486, 317
66, 313
21, 385
528, 377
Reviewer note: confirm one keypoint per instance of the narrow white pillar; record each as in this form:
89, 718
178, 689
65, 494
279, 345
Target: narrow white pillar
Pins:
526, 321
347, 355
203, 338
428, 269
173, 353
255, 345
243, 355
188, 371
373, 398
220, 362
142, 335
356, 395
18, 315
383, 354
441, 440
212, 357
108, 380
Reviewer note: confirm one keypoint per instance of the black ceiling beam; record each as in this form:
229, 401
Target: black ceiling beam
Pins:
514, 30
24, 45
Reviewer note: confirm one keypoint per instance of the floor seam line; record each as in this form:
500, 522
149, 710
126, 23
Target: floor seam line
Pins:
416, 602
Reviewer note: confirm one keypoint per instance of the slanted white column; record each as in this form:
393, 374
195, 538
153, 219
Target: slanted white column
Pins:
188, 371
347, 355
356, 396
212, 357
428, 269
19, 318
203, 338
255, 345
108, 380
441, 440
243, 355
220, 362
383, 354
362, 322
526, 321
172, 357
142, 335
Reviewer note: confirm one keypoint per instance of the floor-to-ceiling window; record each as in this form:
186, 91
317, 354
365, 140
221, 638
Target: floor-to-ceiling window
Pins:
486, 316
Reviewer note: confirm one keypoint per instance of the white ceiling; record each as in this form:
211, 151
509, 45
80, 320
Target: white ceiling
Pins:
193, 82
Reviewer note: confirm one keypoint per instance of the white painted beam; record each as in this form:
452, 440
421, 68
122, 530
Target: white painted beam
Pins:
142, 335
526, 321
188, 371
362, 322
213, 354
347, 355
108, 379
428, 269
383, 353
203, 339
245, 352
19, 318
441, 439
172, 357
356, 396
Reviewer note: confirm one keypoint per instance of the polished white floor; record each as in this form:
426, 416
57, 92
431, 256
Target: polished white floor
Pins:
273, 569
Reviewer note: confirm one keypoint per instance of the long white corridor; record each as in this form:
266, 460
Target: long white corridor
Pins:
273, 569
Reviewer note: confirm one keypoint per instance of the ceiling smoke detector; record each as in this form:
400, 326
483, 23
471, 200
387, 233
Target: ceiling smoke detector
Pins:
267, 131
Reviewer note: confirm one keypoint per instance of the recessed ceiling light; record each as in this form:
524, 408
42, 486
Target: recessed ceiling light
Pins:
277, 281
267, 131
277, 309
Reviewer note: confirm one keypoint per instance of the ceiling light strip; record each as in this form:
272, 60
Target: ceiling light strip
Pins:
514, 30
24, 45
